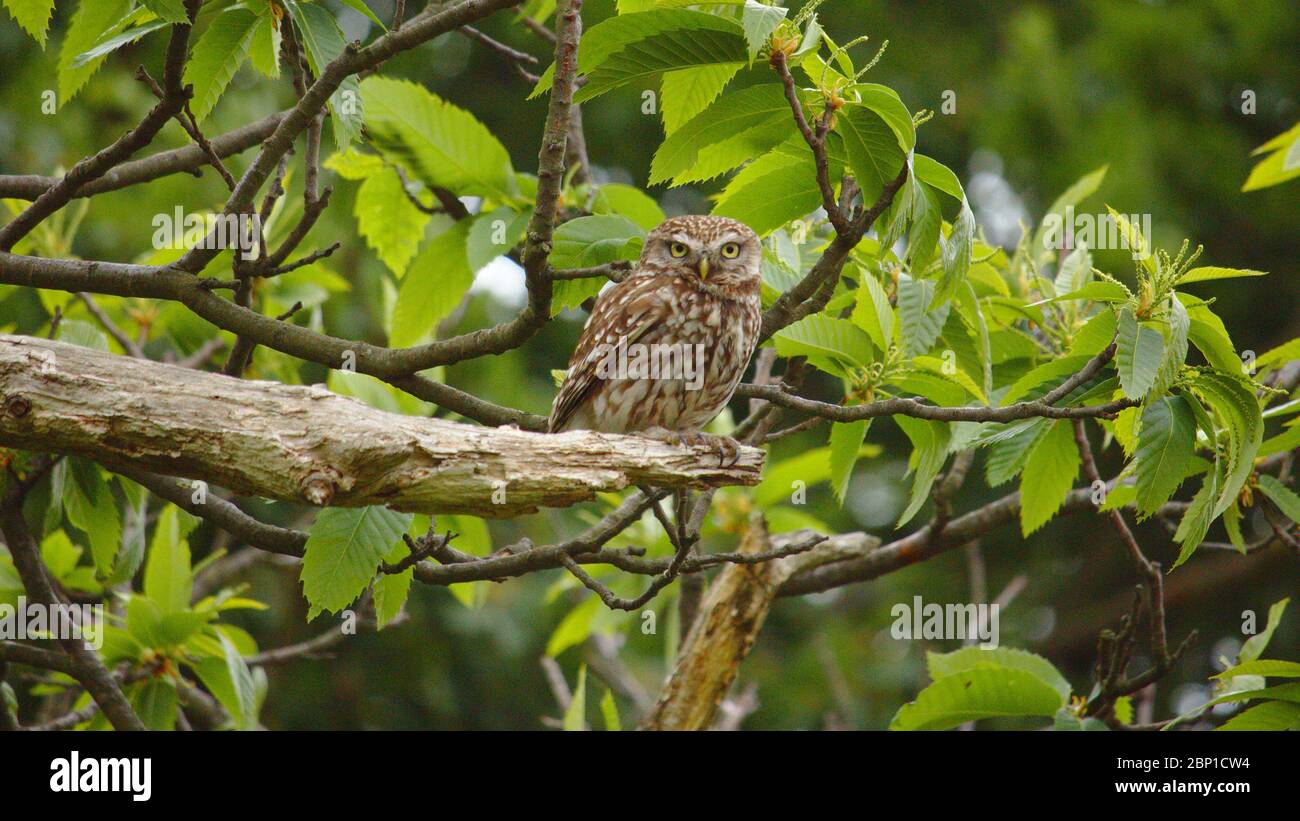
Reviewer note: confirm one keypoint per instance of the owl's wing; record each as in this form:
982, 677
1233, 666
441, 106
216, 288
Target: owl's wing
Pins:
626, 310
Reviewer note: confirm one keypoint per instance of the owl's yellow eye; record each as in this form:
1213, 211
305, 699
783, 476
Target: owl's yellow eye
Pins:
730, 251
677, 249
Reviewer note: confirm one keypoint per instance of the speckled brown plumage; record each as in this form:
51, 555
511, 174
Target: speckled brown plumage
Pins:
667, 301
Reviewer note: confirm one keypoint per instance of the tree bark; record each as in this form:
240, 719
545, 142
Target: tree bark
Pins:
306, 444
728, 622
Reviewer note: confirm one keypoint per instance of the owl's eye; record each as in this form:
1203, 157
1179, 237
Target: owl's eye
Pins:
677, 249
730, 251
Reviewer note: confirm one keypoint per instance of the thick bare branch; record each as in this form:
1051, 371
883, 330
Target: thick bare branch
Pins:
306, 444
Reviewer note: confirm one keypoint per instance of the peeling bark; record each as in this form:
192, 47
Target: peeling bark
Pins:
730, 618
306, 444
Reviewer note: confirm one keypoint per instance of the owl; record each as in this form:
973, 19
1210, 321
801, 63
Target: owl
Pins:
664, 350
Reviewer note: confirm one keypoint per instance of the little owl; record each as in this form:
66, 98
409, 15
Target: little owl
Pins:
665, 348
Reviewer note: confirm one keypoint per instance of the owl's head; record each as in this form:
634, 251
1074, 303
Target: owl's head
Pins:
720, 253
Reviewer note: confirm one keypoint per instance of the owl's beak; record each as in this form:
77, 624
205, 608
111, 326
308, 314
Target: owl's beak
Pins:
704, 267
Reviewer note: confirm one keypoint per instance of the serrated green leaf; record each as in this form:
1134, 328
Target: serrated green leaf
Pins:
873, 313
1050, 471
232, 683
1139, 352
686, 92
359, 6
155, 702
778, 187
323, 42
1007, 456
845, 443
390, 222
343, 551
434, 284
941, 665
443, 145
111, 44
1054, 217
830, 343
168, 579
264, 51
33, 16
217, 56
919, 326
94, 20
977, 693
1268, 668
1166, 443
1281, 495
173, 11
90, 508
751, 111
707, 39
759, 21
1271, 715
871, 146
1211, 272
930, 442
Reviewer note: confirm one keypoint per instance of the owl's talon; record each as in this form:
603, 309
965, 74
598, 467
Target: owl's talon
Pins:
728, 449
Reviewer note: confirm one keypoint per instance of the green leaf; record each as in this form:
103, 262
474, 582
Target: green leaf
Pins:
1133, 239
173, 11
686, 92
609, 712
1050, 471
155, 702
264, 51
1008, 455
168, 579
575, 717
919, 326
1138, 355
108, 46
1271, 715
930, 442
354, 165
90, 508
1233, 398
93, 21
872, 147
829, 343
324, 43
980, 692
759, 21
1212, 272
1098, 291
358, 5
704, 40
343, 551
1053, 218
1176, 332
574, 628
493, 235
1254, 646
956, 250
873, 313
633, 203
845, 442
1281, 495
33, 16
749, 112
1166, 443
390, 222
588, 241
443, 145
1042, 379
885, 101
1263, 667
941, 665
391, 590
774, 189
434, 284
231, 682
217, 56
